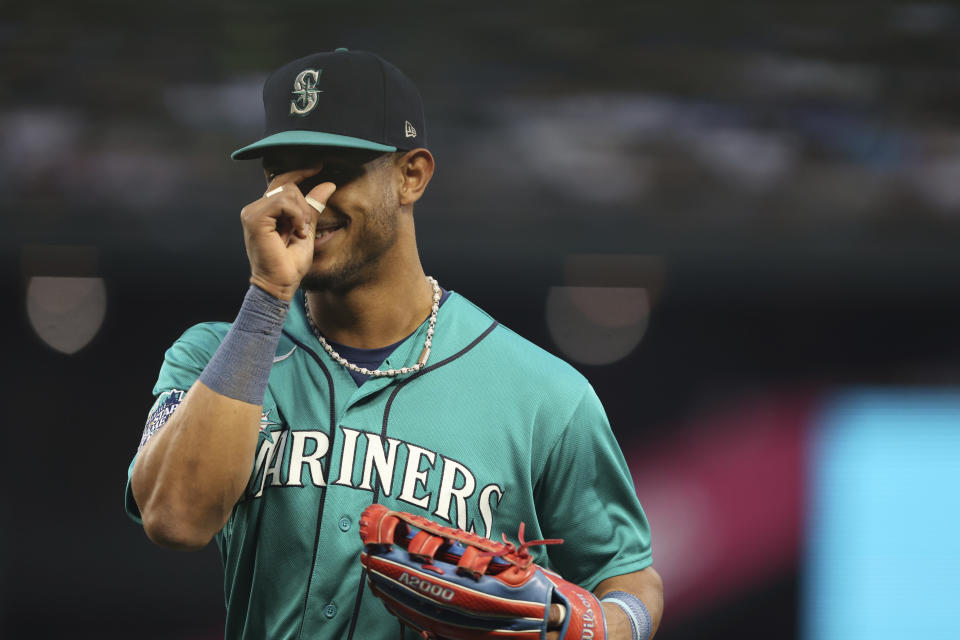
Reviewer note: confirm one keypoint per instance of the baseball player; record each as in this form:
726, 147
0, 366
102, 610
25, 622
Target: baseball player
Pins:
351, 378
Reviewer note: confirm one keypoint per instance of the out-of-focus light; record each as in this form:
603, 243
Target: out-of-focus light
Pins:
218, 106
923, 18
35, 140
723, 496
66, 312
884, 519
597, 325
755, 161
936, 180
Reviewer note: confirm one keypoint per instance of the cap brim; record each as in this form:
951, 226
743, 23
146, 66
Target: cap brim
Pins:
306, 139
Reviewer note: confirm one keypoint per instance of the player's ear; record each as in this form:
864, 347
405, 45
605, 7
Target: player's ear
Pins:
416, 169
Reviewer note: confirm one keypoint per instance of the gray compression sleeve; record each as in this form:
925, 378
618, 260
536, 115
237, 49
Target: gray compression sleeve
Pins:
241, 365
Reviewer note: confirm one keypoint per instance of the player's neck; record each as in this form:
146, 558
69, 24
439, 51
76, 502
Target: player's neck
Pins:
377, 313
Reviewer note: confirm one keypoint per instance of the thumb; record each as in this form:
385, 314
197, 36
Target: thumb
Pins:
322, 192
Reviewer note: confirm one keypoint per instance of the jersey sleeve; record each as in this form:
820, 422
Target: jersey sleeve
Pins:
586, 495
182, 365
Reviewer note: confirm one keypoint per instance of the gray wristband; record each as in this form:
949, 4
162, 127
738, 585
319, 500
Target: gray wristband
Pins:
241, 365
640, 622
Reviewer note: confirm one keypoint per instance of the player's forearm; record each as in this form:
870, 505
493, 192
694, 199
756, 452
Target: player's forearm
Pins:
191, 473
645, 585
189, 480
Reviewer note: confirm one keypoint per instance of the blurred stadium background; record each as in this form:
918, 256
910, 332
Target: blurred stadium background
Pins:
739, 220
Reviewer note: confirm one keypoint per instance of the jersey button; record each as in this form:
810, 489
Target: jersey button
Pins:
330, 610
344, 524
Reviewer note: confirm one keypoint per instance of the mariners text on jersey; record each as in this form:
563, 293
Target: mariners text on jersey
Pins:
288, 458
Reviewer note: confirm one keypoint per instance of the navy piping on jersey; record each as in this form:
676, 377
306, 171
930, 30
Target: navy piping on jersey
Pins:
383, 435
403, 383
323, 497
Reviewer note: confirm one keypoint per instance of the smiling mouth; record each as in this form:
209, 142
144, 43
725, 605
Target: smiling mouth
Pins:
325, 231
332, 221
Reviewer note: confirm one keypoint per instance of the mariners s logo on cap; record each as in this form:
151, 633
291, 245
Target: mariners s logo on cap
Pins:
305, 92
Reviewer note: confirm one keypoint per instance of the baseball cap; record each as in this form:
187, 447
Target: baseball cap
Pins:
343, 98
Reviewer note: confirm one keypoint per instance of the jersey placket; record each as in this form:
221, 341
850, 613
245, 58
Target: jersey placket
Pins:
341, 505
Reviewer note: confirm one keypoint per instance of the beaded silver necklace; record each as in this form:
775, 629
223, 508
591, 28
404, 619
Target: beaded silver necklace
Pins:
389, 373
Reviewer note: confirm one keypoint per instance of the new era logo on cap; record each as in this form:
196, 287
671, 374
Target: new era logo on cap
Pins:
342, 98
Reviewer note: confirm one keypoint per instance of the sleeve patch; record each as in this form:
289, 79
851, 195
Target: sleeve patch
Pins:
166, 403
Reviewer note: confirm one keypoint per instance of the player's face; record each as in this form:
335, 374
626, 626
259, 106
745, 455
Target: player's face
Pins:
359, 223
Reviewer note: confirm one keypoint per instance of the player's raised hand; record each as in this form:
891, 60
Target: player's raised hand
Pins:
279, 231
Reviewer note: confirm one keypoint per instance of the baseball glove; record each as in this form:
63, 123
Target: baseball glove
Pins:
449, 583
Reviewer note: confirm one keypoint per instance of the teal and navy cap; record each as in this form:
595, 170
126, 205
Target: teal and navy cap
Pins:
352, 99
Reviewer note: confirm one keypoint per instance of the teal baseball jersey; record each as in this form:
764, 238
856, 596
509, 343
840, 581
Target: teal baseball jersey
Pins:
492, 433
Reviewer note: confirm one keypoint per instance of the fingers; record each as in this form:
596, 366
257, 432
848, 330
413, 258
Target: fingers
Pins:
557, 613
291, 209
318, 196
293, 177
283, 208
299, 220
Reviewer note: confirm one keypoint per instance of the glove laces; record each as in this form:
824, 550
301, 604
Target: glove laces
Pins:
519, 556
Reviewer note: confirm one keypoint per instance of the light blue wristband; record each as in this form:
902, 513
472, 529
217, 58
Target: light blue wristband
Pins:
640, 622
241, 365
